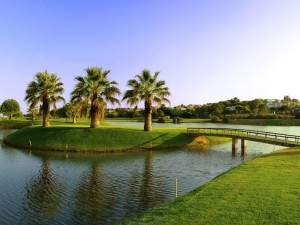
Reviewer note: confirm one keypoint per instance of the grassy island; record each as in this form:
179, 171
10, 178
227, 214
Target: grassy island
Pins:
105, 139
261, 191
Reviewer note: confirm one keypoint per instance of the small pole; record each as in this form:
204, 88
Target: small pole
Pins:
176, 187
30, 144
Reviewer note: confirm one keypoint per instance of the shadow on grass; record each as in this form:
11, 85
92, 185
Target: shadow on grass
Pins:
142, 145
180, 141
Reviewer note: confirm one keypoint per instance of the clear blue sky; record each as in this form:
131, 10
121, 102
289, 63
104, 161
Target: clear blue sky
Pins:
206, 51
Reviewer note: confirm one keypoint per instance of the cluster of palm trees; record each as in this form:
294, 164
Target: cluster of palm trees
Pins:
93, 91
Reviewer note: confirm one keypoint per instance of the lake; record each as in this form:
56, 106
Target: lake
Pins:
58, 188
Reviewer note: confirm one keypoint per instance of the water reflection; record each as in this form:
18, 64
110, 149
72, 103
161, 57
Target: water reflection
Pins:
43, 196
149, 194
93, 199
50, 188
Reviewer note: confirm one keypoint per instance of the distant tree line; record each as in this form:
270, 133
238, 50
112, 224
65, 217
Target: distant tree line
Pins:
229, 109
219, 111
93, 91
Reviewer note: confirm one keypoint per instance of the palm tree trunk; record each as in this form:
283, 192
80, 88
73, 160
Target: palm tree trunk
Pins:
95, 117
46, 112
148, 116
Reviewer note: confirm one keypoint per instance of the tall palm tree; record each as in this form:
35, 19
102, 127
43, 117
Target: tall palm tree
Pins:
94, 91
148, 89
46, 89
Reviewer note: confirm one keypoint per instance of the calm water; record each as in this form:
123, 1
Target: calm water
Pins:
52, 188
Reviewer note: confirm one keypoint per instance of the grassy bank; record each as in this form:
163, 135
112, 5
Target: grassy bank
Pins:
261, 191
16, 124
267, 122
104, 139
20, 123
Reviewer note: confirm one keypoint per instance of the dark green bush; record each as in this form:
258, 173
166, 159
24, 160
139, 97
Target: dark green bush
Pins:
161, 120
215, 119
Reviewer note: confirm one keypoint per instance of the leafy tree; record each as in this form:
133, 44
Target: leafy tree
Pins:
256, 105
294, 102
62, 112
10, 107
203, 111
94, 90
46, 89
73, 111
286, 100
148, 89
243, 109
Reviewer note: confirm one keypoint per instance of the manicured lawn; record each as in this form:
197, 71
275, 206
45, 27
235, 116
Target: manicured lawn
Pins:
20, 123
141, 119
16, 124
265, 190
267, 122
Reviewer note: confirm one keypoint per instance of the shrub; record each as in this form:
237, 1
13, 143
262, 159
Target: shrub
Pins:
177, 120
225, 119
161, 120
215, 119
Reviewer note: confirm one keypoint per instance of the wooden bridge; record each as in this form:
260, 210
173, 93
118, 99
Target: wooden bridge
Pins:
243, 134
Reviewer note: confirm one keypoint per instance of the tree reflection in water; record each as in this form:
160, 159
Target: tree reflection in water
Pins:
150, 195
43, 197
146, 189
93, 200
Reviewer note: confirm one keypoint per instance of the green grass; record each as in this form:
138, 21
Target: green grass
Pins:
16, 124
102, 139
267, 122
84, 122
141, 119
20, 123
265, 190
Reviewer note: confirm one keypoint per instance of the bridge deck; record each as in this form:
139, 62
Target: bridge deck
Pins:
251, 135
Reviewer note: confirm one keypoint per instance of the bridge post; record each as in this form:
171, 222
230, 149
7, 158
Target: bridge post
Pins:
243, 147
234, 146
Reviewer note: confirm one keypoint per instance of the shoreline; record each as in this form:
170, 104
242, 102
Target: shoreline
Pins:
257, 184
105, 140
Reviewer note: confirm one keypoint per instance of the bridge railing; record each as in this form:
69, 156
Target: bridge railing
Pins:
240, 133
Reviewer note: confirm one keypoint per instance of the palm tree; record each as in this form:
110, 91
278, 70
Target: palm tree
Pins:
73, 111
33, 111
148, 89
46, 89
94, 91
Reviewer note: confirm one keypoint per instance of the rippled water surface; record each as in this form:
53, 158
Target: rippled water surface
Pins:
52, 188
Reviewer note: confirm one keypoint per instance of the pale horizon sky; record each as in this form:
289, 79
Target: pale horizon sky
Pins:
206, 51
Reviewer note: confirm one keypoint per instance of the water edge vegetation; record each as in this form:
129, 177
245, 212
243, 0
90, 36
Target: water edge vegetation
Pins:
264, 190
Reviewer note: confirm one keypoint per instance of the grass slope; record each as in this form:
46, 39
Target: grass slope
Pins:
265, 190
102, 139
